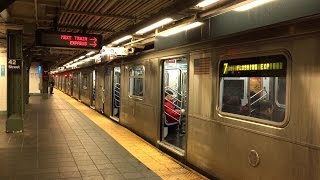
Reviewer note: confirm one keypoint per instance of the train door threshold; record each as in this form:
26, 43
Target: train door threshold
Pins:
114, 118
177, 151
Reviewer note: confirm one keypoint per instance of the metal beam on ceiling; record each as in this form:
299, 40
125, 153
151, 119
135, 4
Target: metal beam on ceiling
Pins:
46, 19
90, 29
170, 11
5, 26
80, 28
44, 2
32, 18
98, 14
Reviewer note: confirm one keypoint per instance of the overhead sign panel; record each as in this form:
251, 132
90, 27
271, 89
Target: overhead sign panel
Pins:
68, 40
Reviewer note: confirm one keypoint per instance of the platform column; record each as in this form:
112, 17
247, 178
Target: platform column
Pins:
15, 84
45, 80
26, 89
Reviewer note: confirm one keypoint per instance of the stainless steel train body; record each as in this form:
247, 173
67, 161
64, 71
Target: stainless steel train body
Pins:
225, 144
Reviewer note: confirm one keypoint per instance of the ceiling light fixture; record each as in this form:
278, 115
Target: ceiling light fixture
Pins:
155, 25
81, 57
178, 29
121, 40
206, 3
90, 53
251, 5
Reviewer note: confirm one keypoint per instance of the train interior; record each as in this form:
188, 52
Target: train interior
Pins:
116, 92
174, 88
258, 97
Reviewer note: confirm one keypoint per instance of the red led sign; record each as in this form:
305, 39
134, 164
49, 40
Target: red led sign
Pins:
68, 40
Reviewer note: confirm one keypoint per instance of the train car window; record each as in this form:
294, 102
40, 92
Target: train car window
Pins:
254, 87
75, 80
136, 81
85, 81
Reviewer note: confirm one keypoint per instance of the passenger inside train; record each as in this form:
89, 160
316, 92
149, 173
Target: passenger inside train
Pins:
232, 104
173, 115
265, 110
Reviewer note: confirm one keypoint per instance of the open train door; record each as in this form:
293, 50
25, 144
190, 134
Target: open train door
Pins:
115, 114
93, 88
174, 96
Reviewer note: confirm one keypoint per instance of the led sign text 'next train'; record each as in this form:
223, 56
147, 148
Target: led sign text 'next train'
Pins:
68, 40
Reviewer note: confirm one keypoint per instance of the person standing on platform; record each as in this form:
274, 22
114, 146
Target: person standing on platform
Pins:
52, 83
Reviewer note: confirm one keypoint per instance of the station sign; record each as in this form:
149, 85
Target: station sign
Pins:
14, 65
68, 40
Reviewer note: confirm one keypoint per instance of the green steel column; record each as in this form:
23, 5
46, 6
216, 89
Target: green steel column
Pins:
45, 81
26, 89
15, 95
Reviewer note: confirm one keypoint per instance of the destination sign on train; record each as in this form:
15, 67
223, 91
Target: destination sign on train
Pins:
267, 66
68, 40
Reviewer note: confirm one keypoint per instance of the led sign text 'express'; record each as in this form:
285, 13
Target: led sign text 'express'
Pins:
68, 40
80, 40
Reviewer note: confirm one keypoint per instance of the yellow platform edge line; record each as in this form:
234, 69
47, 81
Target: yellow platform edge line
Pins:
160, 163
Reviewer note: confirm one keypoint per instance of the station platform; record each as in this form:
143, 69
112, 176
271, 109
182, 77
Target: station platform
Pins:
64, 139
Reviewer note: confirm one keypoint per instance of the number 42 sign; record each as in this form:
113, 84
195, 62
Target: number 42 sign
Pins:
14, 64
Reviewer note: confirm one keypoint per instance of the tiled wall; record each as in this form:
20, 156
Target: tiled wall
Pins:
3, 76
34, 79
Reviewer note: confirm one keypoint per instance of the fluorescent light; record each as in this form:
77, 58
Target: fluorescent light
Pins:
206, 3
252, 5
81, 57
90, 53
180, 29
122, 39
155, 25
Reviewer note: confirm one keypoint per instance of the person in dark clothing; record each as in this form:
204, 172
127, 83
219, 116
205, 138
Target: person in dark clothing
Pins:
265, 110
52, 83
231, 104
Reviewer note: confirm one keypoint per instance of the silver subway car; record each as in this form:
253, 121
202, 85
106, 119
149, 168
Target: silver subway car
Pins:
233, 108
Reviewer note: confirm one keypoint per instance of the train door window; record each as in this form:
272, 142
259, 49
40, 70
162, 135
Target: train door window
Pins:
93, 92
107, 91
84, 81
75, 80
174, 93
71, 84
254, 87
136, 81
116, 92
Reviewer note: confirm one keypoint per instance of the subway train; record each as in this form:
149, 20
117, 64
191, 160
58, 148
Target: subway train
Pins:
247, 102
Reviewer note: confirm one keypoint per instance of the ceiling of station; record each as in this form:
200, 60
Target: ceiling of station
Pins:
110, 18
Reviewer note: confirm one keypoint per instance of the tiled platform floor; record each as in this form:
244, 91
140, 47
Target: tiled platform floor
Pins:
64, 139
